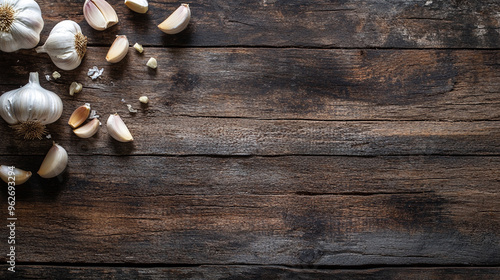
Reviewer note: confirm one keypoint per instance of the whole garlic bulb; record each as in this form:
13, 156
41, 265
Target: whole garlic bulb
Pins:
66, 45
20, 24
30, 108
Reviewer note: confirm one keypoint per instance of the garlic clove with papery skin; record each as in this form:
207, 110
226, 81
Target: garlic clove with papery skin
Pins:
66, 45
54, 162
138, 6
99, 14
20, 25
14, 175
118, 49
117, 129
88, 130
79, 115
30, 108
177, 21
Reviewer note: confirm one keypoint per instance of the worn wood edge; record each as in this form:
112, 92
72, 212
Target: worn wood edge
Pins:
427, 85
291, 175
247, 272
400, 24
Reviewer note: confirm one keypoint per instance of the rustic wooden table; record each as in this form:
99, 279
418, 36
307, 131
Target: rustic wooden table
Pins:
283, 140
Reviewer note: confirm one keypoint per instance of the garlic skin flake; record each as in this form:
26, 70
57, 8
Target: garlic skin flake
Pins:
138, 6
66, 45
20, 175
118, 49
99, 14
177, 21
20, 25
54, 162
30, 108
117, 129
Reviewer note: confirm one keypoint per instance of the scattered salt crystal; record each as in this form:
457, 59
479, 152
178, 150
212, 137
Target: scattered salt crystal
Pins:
47, 77
48, 136
123, 100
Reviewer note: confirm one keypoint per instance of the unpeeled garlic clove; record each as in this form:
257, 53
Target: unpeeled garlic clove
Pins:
99, 14
118, 50
16, 175
177, 21
54, 162
88, 130
138, 6
79, 115
117, 129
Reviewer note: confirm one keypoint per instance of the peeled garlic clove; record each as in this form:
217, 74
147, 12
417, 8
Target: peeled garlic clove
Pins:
138, 47
117, 129
88, 130
75, 88
99, 14
144, 99
138, 6
54, 162
152, 63
79, 115
177, 21
16, 175
118, 50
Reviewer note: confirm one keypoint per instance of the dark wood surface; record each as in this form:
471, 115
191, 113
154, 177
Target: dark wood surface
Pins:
283, 140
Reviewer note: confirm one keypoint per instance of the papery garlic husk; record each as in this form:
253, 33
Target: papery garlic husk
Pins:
79, 115
20, 25
177, 21
16, 175
88, 130
118, 49
99, 14
117, 129
54, 162
138, 6
30, 108
66, 45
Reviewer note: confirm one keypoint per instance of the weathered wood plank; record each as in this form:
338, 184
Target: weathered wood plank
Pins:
271, 272
94, 216
304, 175
282, 83
319, 23
221, 136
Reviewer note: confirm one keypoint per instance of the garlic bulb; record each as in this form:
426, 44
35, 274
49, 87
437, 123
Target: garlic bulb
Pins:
66, 45
30, 108
20, 24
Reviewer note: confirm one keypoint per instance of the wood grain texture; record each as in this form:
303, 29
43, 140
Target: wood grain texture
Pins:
451, 85
236, 272
157, 210
318, 23
209, 136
